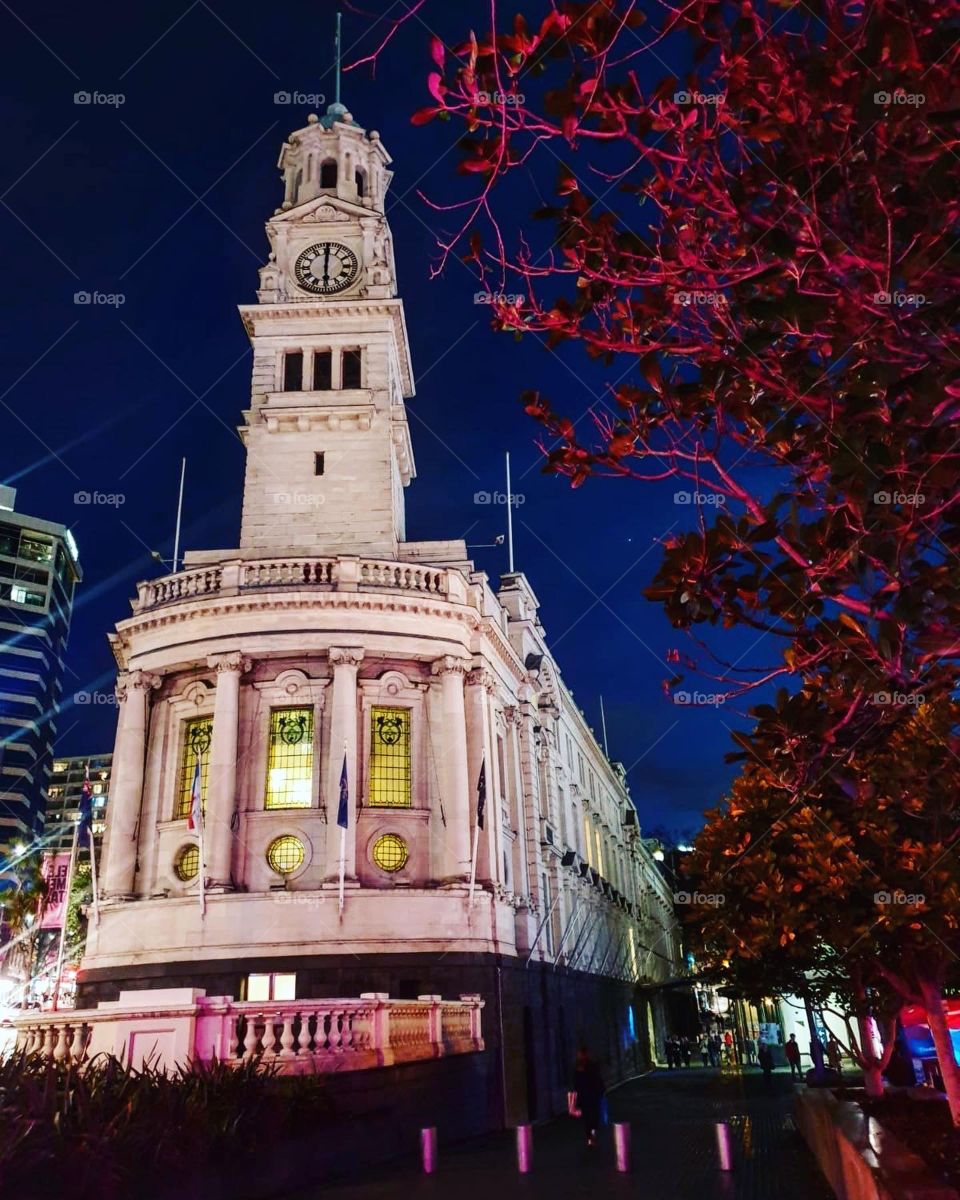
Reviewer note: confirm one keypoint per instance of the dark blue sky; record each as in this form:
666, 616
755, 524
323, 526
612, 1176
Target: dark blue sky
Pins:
162, 200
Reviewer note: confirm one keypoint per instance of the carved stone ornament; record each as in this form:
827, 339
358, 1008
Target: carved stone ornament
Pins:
449, 665
233, 661
136, 679
351, 656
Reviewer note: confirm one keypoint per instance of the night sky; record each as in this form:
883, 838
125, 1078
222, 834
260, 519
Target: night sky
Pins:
161, 200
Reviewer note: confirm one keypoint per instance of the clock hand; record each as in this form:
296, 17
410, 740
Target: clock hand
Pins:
326, 264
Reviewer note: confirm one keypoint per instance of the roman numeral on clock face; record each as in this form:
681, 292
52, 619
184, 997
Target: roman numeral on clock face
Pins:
326, 268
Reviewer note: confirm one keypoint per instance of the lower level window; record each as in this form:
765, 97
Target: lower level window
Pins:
187, 865
285, 854
390, 852
277, 986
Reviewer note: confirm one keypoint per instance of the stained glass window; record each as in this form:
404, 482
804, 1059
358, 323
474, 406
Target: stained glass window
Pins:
390, 852
290, 759
197, 736
285, 854
390, 758
188, 863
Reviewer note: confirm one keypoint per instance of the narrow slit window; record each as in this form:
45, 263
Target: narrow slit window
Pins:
351, 369
318, 462
328, 174
359, 181
293, 371
322, 370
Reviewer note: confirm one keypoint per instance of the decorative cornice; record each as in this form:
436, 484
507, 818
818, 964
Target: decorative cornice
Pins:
142, 680
233, 661
449, 665
481, 677
345, 656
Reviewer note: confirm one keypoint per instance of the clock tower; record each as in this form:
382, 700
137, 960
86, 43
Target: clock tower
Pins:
326, 434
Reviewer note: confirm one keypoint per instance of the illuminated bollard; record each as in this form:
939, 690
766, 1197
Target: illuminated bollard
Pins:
428, 1149
724, 1148
621, 1140
524, 1148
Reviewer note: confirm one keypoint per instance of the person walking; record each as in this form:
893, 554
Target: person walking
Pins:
792, 1051
705, 1050
590, 1089
713, 1044
765, 1058
686, 1050
835, 1055
670, 1046
750, 1049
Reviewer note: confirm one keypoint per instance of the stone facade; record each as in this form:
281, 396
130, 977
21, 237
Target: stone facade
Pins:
395, 662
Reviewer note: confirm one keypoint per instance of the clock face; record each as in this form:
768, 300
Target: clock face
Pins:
326, 268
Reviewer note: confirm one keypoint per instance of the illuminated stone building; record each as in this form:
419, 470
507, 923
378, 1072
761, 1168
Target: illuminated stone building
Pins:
326, 638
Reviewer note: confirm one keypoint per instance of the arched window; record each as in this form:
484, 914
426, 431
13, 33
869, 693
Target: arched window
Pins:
328, 173
360, 179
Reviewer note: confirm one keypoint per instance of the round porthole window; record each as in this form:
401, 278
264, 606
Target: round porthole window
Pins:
187, 865
285, 854
390, 852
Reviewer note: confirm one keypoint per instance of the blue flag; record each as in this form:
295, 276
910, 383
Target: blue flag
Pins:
481, 793
86, 805
343, 817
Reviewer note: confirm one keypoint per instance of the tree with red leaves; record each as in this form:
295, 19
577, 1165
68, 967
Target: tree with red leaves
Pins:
763, 246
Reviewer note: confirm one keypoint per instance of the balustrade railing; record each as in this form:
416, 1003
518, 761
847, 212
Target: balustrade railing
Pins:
295, 1035
338, 574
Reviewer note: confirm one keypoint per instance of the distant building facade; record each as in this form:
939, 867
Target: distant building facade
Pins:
39, 569
63, 800
328, 660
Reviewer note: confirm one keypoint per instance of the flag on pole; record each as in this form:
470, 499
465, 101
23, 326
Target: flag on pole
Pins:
343, 814
86, 804
195, 818
481, 793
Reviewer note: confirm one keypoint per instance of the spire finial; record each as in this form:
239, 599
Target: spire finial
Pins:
336, 97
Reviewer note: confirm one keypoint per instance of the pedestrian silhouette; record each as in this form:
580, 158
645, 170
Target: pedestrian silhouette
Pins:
792, 1051
590, 1092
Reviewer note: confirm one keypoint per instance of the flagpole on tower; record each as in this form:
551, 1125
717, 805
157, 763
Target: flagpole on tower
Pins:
176, 536
337, 43
509, 517
603, 726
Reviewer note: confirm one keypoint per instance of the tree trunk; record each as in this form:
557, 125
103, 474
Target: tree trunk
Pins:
933, 1002
816, 1050
869, 1063
873, 1080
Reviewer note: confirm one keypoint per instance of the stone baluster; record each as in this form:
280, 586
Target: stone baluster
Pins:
119, 856
222, 790
250, 1038
78, 1045
343, 734
49, 1041
287, 1039
61, 1047
457, 837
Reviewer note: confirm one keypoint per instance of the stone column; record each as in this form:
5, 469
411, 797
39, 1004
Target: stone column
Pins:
459, 792
222, 787
119, 861
343, 733
480, 687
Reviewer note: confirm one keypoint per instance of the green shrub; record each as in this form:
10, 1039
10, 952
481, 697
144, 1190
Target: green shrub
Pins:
104, 1131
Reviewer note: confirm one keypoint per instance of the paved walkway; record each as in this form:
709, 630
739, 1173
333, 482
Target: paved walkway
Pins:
673, 1114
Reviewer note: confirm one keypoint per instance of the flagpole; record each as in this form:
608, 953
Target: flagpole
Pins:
203, 882
93, 880
476, 839
603, 726
509, 518
61, 951
176, 536
343, 842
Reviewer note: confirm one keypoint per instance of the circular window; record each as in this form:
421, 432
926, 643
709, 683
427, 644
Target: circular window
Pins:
390, 852
285, 854
187, 865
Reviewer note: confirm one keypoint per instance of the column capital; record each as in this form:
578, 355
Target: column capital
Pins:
449, 664
142, 680
481, 677
345, 656
232, 661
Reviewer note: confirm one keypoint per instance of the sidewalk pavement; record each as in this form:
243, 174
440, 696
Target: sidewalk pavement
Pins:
673, 1116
